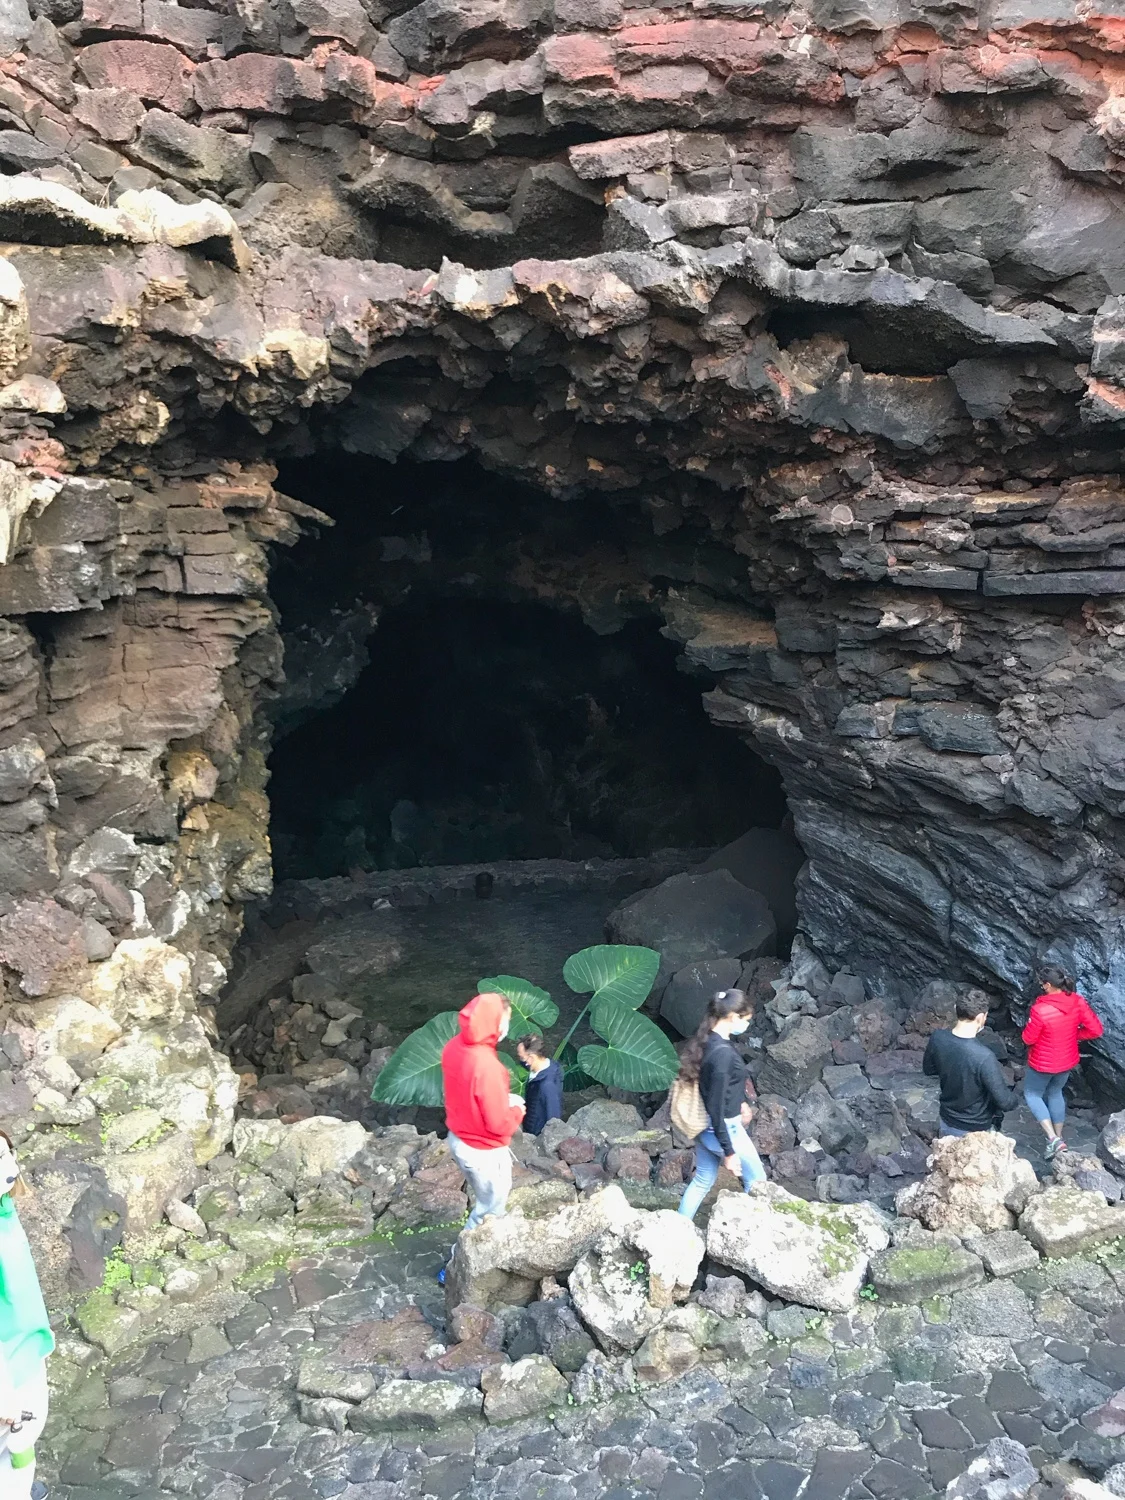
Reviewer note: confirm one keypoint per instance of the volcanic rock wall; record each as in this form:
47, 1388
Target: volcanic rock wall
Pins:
826, 298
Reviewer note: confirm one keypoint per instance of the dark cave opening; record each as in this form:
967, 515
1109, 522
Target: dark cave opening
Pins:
441, 710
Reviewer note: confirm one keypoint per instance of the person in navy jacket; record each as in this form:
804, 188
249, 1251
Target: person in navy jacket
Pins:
543, 1093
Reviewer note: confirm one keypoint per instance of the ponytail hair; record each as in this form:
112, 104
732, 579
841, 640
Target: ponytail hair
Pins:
720, 1007
1052, 977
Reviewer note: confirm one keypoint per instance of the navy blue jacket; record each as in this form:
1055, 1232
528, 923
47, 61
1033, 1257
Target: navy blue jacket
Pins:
543, 1098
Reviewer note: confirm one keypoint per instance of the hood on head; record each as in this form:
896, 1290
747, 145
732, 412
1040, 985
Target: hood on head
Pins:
481, 1019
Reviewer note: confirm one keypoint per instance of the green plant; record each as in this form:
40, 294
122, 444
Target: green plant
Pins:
868, 1293
636, 1270
412, 1074
617, 977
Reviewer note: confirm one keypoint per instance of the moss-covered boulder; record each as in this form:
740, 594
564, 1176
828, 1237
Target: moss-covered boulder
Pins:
812, 1253
415, 1406
919, 1270
1068, 1220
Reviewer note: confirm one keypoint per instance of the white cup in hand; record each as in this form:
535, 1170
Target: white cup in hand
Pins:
515, 1101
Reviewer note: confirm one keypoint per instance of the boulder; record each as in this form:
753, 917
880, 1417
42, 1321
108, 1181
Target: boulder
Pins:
628, 1162
772, 1130
1067, 1221
695, 916
665, 1354
624, 1282
974, 1182
561, 1336
1087, 1489
688, 991
321, 1376
916, 1271
1111, 1143
726, 1296
144, 981
811, 1253
73, 1028
299, 1155
394, 1345
793, 1064
523, 1389
174, 1070
1004, 1252
821, 1118
1004, 1471
468, 1322
739, 1339
150, 1178
74, 1222
504, 1259
604, 1120
602, 1378
766, 860
415, 1405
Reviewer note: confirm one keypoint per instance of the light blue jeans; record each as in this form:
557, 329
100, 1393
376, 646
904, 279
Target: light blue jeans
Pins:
709, 1157
1044, 1095
489, 1175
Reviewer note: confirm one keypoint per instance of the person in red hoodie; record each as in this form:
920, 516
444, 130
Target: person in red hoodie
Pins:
1059, 1020
480, 1111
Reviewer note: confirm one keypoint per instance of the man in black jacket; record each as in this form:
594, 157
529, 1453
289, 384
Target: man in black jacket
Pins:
974, 1095
543, 1092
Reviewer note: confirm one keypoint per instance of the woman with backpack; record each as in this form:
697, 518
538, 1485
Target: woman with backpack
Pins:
709, 1100
1059, 1020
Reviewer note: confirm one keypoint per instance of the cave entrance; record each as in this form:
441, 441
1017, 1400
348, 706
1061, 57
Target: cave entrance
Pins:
477, 673
484, 730
477, 683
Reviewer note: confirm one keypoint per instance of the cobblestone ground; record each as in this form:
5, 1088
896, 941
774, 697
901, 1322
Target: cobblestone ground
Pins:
888, 1402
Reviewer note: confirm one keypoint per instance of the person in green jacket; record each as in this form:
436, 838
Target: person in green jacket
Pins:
25, 1342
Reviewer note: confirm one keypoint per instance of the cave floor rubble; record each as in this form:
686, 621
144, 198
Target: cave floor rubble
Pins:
886, 1401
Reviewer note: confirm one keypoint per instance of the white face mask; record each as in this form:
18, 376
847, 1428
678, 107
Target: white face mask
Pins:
504, 1028
739, 1025
9, 1169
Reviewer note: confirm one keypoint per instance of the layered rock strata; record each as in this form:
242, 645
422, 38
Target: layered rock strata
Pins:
824, 302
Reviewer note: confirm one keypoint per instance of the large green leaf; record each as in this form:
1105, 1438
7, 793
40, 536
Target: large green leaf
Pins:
613, 971
573, 1076
412, 1074
638, 1056
532, 1008
517, 1073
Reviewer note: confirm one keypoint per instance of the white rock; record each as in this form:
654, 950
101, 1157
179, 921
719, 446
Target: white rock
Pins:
815, 1254
182, 1216
126, 1131
503, 1260
32, 393
623, 1284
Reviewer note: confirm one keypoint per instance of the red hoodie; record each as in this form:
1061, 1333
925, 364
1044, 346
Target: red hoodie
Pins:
1058, 1022
476, 1081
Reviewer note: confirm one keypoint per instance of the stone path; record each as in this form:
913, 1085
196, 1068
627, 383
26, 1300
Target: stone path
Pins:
887, 1402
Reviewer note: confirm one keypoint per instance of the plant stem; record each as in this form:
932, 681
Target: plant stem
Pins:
581, 1017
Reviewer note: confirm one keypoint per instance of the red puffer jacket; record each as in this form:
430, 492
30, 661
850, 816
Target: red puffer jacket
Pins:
1058, 1022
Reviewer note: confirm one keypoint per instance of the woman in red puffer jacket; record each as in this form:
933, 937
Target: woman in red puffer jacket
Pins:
1059, 1020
